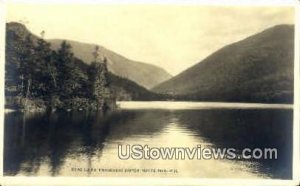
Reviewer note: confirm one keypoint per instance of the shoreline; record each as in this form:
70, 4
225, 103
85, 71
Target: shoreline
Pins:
174, 105
184, 105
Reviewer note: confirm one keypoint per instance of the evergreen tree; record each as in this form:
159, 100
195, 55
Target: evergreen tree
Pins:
71, 80
65, 62
99, 80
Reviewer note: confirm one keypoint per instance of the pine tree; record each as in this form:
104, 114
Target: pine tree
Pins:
66, 66
71, 79
99, 80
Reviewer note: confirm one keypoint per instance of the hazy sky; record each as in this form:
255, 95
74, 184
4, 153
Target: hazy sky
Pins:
170, 36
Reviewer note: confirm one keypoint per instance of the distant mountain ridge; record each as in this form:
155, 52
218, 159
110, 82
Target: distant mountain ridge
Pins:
257, 69
146, 75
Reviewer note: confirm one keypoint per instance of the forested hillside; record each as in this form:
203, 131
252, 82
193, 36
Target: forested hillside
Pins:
257, 69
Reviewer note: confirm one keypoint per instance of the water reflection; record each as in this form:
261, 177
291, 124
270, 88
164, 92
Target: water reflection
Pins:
53, 144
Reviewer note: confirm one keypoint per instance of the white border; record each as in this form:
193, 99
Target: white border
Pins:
167, 2
84, 181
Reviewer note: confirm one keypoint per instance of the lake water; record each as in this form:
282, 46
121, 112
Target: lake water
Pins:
86, 144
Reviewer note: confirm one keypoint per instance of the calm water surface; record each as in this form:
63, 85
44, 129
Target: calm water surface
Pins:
57, 144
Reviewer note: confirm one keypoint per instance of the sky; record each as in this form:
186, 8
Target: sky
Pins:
173, 37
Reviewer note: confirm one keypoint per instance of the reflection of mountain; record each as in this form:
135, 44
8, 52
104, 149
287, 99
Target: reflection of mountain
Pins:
237, 125
241, 129
256, 69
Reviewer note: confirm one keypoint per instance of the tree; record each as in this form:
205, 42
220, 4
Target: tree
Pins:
45, 76
100, 90
71, 78
47, 71
27, 67
14, 53
65, 62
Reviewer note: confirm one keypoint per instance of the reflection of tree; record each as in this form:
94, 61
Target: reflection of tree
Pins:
34, 144
12, 148
32, 139
59, 142
94, 132
240, 128
25, 149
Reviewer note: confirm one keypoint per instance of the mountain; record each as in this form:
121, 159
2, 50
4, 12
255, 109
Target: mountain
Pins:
124, 89
256, 69
144, 74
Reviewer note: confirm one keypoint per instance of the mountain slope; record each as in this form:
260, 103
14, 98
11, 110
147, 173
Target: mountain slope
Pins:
256, 69
144, 74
